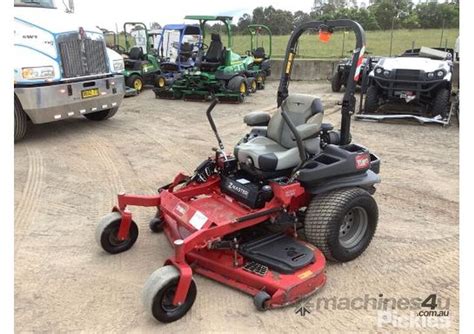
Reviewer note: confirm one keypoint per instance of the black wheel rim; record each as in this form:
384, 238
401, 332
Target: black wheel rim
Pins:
114, 240
353, 227
167, 300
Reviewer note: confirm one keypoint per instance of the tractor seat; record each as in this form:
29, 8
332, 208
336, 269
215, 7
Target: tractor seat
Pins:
259, 54
135, 59
277, 150
214, 56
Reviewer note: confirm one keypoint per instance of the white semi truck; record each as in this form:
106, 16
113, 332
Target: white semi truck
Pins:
62, 67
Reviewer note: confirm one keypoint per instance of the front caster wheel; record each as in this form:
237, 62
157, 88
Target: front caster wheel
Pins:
260, 299
107, 230
156, 224
159, 291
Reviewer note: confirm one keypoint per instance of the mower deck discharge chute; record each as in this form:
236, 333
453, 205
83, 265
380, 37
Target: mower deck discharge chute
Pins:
236, 220
218, 72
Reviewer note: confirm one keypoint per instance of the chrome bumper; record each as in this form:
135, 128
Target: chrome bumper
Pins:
56, 102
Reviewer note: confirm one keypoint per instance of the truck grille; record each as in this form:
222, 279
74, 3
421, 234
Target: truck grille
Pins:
81, 57
409, 75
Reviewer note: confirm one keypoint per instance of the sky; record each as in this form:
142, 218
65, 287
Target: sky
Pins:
106, 13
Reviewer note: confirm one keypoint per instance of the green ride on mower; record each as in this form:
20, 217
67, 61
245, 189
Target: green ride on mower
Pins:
141, 65
261, 65
218, 71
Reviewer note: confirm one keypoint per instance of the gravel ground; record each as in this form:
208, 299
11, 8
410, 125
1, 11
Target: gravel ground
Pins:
68, 173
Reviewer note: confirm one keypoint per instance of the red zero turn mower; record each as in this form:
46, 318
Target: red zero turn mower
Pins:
240, 218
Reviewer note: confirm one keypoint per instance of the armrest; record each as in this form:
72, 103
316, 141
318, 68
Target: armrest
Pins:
257, 118
307, 130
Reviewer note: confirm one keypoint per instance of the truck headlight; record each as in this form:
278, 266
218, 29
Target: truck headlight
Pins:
386, 73
440, 74
33, 73
430, 75
118, 65
378, 70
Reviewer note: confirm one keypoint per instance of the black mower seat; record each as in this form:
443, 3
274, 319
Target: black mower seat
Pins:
259, 54
214, 56
278, 150
135, 59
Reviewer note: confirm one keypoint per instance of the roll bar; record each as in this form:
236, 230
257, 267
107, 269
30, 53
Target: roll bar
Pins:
348, 101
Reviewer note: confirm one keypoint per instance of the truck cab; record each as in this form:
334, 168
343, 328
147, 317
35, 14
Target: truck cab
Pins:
62, 68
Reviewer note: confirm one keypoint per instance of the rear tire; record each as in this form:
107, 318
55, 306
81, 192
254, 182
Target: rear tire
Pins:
371, 100
21, 121
341, 223
441, 103
336, 82
101, 115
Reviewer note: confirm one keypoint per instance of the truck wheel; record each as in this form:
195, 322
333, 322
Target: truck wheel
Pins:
21, 121
101, 115
441, 103
336, 82
371, 100
106, 234
159, 292
135, 81
341, 223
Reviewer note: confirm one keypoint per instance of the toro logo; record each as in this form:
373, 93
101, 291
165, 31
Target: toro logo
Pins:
362, 161
180, 209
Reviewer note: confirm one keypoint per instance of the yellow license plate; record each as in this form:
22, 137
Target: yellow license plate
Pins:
90, 93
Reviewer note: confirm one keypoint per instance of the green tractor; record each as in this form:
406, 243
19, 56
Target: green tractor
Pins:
141, 64
261, 65
218, 72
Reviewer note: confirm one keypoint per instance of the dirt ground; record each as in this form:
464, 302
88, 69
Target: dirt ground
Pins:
68, 173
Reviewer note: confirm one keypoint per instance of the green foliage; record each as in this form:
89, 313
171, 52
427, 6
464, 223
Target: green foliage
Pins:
381, 14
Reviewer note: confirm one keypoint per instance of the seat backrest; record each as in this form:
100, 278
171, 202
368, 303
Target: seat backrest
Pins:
301, 108
214, 53
135, 53
259, 52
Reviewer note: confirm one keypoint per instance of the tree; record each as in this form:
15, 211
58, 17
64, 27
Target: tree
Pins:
300, 17
244, 21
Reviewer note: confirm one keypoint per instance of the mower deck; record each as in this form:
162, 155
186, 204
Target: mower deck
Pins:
283, 289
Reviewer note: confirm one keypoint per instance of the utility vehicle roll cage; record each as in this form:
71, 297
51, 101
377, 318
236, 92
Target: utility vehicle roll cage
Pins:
349, 100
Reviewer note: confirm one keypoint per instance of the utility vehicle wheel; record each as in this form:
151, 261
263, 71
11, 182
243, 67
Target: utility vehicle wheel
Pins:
341, 223
156, 224
160, 81
371, 99
135, 81
441, 103
260, 299
101, 115
21, 121
159, 292
107, 230
260, 81
252, 84
336, 82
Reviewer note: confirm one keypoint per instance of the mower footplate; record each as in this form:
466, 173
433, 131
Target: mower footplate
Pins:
252, 278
